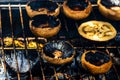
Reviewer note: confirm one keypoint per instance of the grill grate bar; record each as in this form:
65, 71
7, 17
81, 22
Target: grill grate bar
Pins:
98, 47
13, 5
25, 39
2, 48
38, 52
10, 15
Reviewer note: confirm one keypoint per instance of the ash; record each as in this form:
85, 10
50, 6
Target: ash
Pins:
2, 73
115, 2
23, 64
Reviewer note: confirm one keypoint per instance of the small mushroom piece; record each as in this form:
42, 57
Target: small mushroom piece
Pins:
8, 41
19, 43
57, 54
32, 44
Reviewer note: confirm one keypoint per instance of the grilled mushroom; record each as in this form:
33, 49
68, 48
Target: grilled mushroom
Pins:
77, 9
58, 52
97, 62
38, 7
109, 8
45, 26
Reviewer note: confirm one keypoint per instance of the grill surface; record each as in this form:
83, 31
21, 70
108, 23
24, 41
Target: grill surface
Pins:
14, 23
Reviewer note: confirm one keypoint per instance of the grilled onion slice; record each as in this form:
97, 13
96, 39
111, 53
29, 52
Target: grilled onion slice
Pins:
97, 30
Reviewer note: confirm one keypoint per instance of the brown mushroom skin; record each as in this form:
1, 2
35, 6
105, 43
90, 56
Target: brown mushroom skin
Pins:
42, 10
93, 68
45, 26
45, 32
77, 14
66, 50
112, 13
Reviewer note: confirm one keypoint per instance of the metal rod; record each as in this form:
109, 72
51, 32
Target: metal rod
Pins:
25, 39
56, 77
12, 5
10, 15
39, 51
2, 48
23, 5
20, 48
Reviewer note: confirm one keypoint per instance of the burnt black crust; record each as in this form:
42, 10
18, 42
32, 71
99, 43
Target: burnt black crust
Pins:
81, 4
44, 19
62, 46
108, 3
35, 5
97, 58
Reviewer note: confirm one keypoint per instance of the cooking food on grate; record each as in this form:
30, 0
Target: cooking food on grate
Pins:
97, 30
19, 43
8, 41
33, 44
61, 76
38, 7
22, 60
45, 26
110, 8
58, 52
96, 62
77, 9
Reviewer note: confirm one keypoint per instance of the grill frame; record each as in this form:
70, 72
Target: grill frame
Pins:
105, 46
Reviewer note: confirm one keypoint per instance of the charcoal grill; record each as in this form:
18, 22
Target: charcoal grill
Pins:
14, 23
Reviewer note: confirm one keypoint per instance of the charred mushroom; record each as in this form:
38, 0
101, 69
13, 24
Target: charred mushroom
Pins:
96, 62
58, 52
45, 26
109, 8
77, 9
38, 7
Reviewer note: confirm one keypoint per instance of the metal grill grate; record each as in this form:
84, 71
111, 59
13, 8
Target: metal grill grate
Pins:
14, 23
